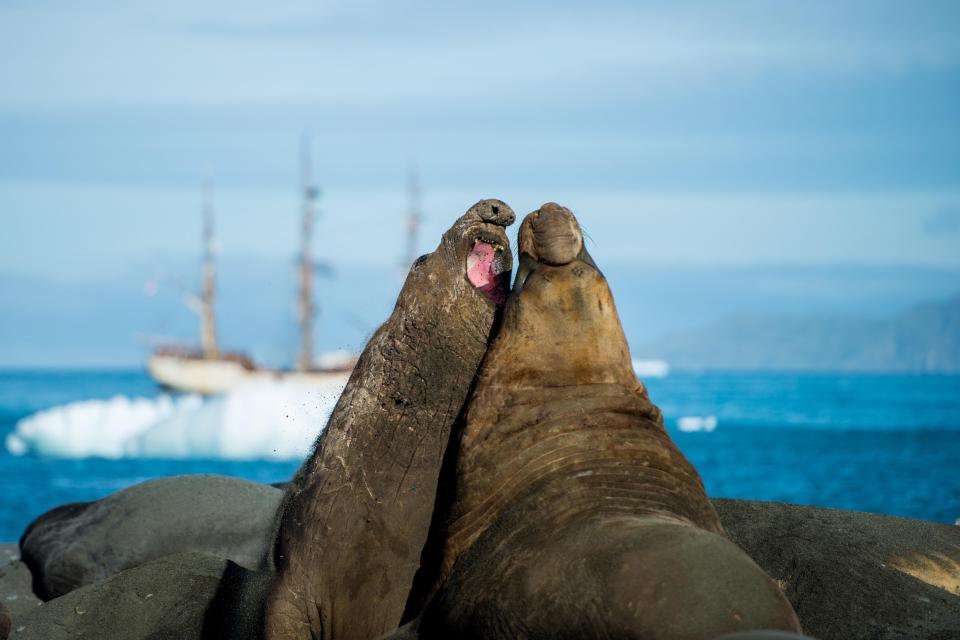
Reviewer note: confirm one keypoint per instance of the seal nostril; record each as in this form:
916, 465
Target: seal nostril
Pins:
493, 211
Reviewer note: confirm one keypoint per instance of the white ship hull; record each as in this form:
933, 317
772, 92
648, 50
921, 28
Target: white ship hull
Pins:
208, 376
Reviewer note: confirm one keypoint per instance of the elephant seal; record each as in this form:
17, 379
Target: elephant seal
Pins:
573, 514
357, 514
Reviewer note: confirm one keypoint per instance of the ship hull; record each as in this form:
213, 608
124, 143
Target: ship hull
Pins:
212, 376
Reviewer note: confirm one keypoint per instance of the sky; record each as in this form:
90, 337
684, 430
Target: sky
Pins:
681, 133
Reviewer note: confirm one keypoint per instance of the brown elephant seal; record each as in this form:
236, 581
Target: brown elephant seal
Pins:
357, 514
573, 514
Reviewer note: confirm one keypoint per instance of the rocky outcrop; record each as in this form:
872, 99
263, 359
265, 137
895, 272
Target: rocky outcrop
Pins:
853, 575
77, 544
165, 598
849, 575
16, 594
5, 622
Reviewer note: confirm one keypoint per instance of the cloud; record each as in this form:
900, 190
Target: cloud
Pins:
390, 53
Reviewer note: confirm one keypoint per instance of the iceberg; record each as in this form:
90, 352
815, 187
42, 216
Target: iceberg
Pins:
650, 368
276, 420
697, 423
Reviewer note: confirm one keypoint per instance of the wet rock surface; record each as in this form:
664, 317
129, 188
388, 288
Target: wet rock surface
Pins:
849, 575
853, 575
165, 598
16, 593
77, 544
4, 622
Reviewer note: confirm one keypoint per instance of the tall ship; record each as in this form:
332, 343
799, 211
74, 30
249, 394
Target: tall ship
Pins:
209, 370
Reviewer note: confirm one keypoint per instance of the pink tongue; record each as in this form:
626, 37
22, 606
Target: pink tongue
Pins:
481, 271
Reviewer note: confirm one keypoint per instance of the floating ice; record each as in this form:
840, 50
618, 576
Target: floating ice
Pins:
260, 420
651, 368
697, 423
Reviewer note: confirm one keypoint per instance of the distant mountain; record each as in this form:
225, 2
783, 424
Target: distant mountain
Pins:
923, 338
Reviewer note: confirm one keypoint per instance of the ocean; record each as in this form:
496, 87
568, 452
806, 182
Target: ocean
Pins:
881, 443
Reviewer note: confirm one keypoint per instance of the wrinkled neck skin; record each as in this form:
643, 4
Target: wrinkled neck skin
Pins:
358, 512
559, 419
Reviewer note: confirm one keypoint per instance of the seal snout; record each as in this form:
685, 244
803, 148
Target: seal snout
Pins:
551, 235
494, 211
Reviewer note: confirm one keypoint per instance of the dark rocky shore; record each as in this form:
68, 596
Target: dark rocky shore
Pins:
79, 543
854, 575
147, 562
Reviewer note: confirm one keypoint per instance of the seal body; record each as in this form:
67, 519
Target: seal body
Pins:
355, 518
573, 513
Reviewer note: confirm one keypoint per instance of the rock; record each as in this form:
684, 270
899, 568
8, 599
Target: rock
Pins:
764, 635
165, 598
4, 622
849, 575
80, 543
854, 575
237, 609
16, 592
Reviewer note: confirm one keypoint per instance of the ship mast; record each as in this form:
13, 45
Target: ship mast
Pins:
208, 326
413, 217
306, 307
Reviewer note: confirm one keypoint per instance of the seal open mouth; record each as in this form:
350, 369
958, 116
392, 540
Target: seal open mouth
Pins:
488, 271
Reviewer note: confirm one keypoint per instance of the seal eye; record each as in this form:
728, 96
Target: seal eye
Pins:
419, 261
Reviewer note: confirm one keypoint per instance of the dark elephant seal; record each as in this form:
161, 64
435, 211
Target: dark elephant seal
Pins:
78, 543
358, 511
573, 514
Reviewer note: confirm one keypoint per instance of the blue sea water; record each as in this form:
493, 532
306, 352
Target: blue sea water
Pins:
881, 443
